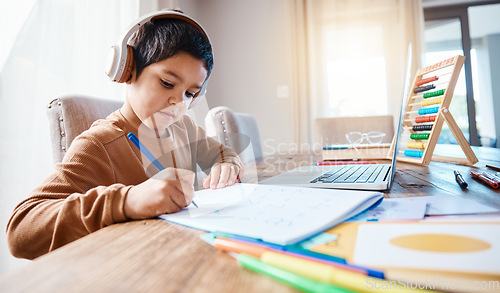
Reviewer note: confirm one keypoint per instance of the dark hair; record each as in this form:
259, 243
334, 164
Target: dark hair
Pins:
162, 38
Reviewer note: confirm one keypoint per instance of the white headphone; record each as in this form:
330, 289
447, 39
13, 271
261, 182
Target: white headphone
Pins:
121, 58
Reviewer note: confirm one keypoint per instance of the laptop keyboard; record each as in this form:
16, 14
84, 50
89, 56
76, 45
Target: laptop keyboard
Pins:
351, 174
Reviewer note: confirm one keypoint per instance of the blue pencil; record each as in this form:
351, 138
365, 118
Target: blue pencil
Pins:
148, 154
145, 151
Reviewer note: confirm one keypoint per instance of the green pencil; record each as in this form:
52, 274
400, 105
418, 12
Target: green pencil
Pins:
292, 279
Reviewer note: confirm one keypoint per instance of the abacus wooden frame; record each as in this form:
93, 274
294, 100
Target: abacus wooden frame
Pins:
442, 116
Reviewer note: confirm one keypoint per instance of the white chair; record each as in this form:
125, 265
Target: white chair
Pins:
70, 115
238, 131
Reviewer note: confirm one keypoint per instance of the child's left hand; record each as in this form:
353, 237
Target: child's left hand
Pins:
222, 175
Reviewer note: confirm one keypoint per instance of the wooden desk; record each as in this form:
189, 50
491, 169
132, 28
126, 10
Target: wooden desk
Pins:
158, 256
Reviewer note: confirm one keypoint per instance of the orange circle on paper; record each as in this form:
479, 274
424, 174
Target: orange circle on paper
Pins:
440, 243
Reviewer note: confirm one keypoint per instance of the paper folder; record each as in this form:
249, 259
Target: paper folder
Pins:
345, 244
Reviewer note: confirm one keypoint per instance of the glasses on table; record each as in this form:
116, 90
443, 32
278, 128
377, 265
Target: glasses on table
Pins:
372, 137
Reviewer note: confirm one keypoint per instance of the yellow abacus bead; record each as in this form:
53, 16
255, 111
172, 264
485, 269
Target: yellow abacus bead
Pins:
431, 102
416, 145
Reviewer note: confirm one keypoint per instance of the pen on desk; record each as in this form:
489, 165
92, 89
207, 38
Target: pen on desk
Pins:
493, 167
491, 177
460, 180
484, 179
150, 156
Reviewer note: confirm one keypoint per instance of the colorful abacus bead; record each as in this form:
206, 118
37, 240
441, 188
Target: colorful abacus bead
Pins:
411, 153
423, 119
416, 145
419, 135
421, 127
434, 94
424, 88
425, 80
425, 111
431, 101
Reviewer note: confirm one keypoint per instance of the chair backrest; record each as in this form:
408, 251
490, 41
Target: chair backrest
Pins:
70, 115
238, 131
333, 130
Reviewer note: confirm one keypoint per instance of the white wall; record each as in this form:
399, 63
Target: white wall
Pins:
252, 52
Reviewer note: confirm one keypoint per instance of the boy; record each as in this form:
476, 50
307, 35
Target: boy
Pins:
103, 178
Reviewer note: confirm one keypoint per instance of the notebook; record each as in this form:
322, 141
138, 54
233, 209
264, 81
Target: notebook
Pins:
275, 214
363, 177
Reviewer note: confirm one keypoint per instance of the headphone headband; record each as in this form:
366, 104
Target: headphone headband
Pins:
120, 58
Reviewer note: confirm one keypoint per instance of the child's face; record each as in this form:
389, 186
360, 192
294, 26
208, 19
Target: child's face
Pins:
164, 90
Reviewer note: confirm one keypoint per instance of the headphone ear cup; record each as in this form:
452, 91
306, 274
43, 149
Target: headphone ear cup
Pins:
129, 66
113, 60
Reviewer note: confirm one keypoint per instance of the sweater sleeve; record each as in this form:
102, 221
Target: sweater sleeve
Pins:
79, 197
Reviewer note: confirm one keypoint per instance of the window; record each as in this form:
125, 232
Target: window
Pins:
485, 59
348, 65
472, 31
443, 40
356, 56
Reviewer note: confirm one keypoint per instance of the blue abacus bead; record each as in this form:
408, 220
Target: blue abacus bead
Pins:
425, 111
422, 111
411, 153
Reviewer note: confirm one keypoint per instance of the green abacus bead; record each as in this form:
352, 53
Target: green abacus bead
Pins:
433, 94
419, 135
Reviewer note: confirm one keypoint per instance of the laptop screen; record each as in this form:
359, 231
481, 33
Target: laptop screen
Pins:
406, 89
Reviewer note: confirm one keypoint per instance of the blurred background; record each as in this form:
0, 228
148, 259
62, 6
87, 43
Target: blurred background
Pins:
286, 62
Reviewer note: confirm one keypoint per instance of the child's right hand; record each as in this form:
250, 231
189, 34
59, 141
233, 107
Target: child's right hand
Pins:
168, 191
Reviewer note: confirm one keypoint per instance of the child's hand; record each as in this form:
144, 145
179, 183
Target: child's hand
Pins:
167, 192
222, 175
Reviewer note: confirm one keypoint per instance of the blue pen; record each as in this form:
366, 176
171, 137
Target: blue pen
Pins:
148, 154
302, 251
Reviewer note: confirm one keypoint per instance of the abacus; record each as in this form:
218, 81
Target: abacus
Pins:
427, 110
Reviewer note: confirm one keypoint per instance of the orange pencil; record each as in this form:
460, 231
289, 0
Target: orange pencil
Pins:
225, 244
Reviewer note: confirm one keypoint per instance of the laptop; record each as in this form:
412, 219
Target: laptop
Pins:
361, 177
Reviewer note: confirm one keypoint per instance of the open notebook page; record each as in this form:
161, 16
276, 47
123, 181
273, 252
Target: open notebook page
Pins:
276, 214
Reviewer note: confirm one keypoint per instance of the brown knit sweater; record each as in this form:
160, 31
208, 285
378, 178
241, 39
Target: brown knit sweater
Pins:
87, 190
